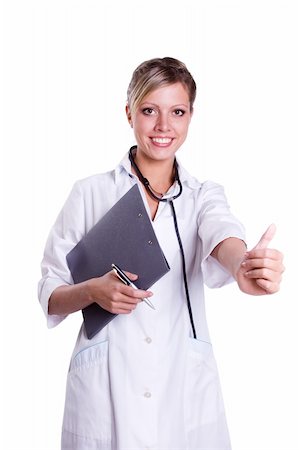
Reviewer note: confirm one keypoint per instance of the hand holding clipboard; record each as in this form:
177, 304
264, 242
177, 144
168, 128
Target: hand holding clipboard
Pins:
123, 277
123, 236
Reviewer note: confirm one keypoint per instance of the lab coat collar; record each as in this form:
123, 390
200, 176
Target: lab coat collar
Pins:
185, 177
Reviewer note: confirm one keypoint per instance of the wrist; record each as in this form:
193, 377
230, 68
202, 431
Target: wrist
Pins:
230, 254
88, 290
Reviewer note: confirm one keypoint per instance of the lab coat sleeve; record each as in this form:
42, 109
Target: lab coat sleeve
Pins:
65, 234
216, 223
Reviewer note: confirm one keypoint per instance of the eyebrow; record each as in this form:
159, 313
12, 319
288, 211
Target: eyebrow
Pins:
157, 106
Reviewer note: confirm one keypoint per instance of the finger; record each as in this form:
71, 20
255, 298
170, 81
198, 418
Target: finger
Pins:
255, 263
121, 308
263, 254
266, 237
129, 290
128, 294
130, 275
119, 300
136, 293
265, 274
268, 286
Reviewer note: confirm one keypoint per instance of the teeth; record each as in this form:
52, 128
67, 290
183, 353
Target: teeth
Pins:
162, 140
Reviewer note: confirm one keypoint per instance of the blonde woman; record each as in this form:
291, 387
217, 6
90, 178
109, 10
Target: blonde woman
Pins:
149, 378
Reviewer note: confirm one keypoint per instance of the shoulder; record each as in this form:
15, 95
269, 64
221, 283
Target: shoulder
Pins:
207, 187
212, 197
102, 182
89, 194
211, 188
95, 181
201, 189
95, 187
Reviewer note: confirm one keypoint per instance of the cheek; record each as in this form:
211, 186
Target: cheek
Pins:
139, 133
183, 128
142, 126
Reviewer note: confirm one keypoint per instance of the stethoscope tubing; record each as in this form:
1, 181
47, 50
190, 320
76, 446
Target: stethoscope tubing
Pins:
169, 200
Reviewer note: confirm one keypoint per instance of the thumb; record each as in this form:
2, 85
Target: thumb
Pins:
266, 237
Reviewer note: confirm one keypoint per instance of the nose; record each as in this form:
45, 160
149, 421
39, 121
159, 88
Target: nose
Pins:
162, 123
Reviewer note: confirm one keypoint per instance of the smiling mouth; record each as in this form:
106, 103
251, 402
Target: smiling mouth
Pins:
162, 140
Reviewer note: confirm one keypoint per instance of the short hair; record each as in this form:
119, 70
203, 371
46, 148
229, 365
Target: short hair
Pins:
155, 73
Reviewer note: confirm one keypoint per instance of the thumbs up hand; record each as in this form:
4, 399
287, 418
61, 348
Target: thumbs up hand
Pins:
261, 270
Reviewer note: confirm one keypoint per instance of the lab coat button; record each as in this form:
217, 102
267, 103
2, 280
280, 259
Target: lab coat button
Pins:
147, 395
148, 340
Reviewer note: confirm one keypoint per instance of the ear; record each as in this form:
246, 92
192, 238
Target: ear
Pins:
129, 115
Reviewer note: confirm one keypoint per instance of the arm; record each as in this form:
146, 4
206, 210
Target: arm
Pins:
230, 254
110, 293
57, 293
258, 271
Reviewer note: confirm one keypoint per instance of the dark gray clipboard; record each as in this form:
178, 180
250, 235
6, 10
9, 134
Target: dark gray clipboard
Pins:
123, 236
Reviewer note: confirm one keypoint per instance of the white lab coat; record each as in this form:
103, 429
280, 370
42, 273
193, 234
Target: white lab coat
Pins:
143, 382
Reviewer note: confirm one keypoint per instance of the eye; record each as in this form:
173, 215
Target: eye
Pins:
179, 112
148, 111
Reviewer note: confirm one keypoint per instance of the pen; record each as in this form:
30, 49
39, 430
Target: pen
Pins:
123, 277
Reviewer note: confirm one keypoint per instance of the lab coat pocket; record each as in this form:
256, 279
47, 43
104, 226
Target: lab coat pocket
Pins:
203, 390
88, 405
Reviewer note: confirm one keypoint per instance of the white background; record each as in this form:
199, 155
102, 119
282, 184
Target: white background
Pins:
65, 67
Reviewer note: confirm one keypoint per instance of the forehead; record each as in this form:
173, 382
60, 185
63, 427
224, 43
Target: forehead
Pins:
170, 94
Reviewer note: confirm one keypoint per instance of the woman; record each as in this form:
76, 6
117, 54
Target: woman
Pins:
145, 381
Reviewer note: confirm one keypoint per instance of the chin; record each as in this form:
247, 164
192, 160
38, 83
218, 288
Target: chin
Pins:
162, 155
164, 151
149, 150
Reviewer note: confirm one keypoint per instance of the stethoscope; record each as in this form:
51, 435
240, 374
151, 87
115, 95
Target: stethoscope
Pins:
169, 200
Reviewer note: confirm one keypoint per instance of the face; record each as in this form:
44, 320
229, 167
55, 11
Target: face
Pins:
161, 122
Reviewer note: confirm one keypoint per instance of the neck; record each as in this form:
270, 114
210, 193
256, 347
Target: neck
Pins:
160, 174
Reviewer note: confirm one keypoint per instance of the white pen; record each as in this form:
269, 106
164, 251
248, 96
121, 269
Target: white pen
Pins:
123, 277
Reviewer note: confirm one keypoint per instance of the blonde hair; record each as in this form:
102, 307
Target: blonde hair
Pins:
156, 73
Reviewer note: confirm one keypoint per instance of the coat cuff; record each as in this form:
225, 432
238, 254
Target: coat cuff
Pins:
45, 289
